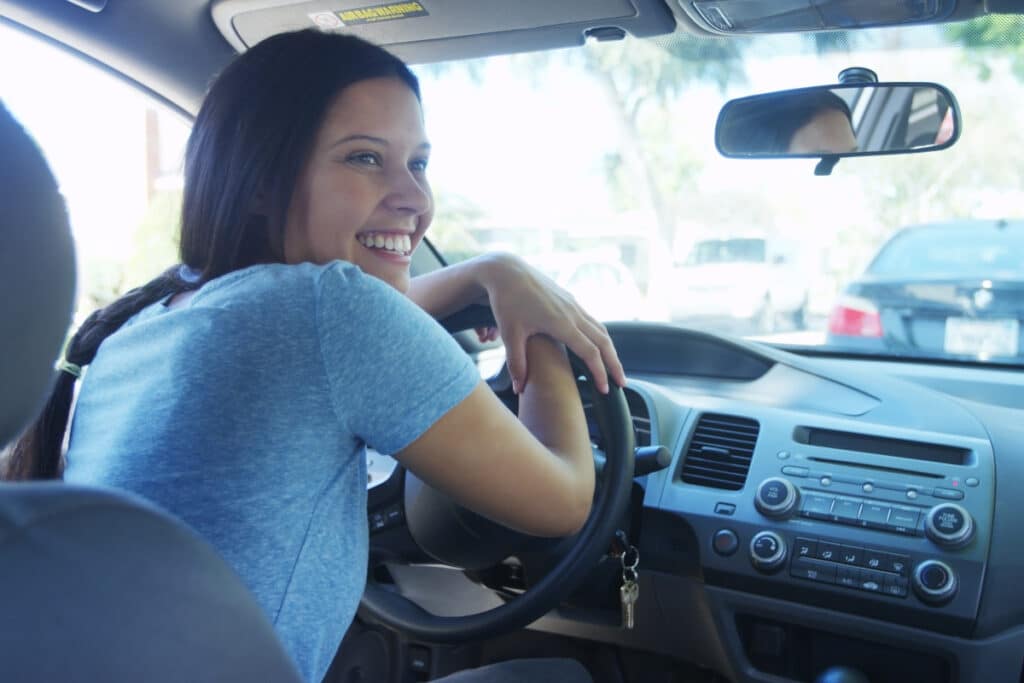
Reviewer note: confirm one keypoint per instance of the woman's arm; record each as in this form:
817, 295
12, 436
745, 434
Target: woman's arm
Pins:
525, 303
452, 288
535, 473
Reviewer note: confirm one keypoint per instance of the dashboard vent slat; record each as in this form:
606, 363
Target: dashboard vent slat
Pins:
641, 420
720, 451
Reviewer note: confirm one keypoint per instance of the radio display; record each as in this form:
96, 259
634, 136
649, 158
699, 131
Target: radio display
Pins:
881, 445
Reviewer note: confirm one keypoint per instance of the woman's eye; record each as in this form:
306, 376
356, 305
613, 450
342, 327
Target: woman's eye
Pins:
418, 165
365, 158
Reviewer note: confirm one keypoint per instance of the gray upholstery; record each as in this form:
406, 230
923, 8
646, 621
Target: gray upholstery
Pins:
37, 277
95, 585
98, 586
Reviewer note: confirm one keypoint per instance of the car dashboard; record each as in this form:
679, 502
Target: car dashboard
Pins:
817, 512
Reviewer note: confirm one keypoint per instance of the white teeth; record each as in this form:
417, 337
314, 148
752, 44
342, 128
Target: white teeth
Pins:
400, 244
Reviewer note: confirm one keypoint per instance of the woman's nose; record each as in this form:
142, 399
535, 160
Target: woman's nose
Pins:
410, 193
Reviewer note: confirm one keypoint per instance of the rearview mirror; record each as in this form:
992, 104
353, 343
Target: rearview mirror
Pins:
837, 121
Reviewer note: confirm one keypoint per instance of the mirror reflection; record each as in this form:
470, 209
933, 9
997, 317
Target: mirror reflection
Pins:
845, 120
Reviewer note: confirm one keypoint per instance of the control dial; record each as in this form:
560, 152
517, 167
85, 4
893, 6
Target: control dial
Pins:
949, 526
767, 551
776, 498
934, 582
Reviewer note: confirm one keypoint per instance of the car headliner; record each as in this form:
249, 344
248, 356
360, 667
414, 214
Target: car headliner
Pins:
172, 48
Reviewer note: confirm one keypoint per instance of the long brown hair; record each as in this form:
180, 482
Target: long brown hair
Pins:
248, 146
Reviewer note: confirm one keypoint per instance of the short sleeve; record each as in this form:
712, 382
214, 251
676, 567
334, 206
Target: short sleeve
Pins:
392, 370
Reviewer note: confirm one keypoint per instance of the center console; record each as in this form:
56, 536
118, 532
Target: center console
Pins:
890, 528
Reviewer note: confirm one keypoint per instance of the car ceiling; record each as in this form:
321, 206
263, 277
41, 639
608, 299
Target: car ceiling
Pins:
174, 47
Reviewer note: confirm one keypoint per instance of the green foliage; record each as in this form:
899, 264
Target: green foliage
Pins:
155, 245
991, 37
643, 80
451, 230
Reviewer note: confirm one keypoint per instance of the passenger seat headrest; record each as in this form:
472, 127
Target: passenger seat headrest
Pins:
37, 277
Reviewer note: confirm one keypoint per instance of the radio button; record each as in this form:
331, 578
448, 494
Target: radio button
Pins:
903, 520
794, 471
776, 498
817, 506
815, 571
874, 516
949, 494
846, 510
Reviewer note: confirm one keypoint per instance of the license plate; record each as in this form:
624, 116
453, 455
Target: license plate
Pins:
982, 337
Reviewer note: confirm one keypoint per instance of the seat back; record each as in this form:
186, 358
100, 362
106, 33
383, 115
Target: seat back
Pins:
95, 585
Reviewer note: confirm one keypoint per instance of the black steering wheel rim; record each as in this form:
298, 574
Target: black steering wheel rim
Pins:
611, 413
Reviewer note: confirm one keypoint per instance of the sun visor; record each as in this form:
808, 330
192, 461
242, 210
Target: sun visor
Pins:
439, 30
781, 16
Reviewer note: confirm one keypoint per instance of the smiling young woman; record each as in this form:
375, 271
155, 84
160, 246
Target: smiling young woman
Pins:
239, 389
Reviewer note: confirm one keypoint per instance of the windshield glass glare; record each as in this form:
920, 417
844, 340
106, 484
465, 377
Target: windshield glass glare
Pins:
603, 157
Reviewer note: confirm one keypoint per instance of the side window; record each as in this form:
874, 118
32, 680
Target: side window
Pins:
117, 158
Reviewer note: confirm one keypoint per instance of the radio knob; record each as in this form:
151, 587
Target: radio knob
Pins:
776, 498
934, 582
767, 551
949, 525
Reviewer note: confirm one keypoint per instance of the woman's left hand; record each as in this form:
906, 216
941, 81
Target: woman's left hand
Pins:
526, 302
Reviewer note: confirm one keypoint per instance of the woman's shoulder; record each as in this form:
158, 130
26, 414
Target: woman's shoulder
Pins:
286, 282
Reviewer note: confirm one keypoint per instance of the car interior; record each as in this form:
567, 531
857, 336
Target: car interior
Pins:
767, 510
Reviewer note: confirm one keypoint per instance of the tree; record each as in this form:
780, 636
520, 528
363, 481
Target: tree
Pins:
451, 229
989, 36
642, 80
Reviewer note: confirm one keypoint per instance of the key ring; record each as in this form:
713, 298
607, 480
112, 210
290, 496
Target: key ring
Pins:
626, 563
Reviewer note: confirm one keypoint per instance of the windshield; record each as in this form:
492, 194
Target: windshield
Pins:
970, 250
727, 251
607, 151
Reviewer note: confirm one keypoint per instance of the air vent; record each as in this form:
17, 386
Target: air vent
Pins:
720, 451
641, 420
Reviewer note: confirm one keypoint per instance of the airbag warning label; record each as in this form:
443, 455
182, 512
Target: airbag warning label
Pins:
376, 13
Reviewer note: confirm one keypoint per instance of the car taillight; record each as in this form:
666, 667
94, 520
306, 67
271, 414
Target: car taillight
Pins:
855, 317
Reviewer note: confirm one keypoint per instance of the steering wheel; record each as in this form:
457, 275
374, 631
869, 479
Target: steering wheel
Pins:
429, 514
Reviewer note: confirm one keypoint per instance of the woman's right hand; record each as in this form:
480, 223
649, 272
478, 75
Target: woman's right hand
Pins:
526, 303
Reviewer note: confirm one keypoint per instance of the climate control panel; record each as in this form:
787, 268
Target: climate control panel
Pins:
866, 569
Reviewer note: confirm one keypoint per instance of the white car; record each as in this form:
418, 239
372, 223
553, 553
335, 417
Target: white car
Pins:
740, 284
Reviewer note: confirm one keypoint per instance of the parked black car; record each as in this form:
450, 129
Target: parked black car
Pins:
953, 289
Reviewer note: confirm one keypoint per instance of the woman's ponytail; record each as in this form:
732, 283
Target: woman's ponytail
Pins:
37, 453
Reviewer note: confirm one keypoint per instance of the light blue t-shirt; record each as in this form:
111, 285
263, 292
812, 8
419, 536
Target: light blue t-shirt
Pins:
246, 412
